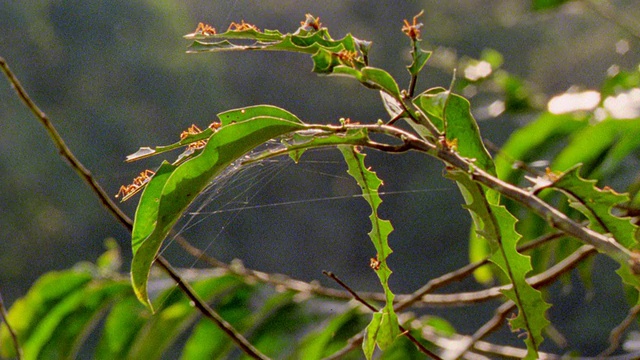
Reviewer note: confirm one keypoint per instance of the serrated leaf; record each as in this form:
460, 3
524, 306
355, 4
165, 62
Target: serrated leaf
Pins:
383, 329
597, 204
270, 40
451, 114
167, 196
497, 226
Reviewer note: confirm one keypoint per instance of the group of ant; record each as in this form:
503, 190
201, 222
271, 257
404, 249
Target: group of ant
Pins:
127, 191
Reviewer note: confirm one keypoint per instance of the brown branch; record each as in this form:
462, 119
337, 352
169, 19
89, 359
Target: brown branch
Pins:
14, 337
404, 331
106, 201
616, 333
536, 281
420, 297
498, 318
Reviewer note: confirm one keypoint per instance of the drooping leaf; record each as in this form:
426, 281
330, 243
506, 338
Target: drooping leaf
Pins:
497, 226
383, 329
172, 192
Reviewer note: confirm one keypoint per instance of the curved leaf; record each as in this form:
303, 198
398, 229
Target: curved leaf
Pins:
180, 186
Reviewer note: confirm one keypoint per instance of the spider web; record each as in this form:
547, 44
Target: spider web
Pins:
250, 196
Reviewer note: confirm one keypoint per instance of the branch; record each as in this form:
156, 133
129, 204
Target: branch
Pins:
553, 216
76, 165
536, 281
616, 333
404, 331
501, 312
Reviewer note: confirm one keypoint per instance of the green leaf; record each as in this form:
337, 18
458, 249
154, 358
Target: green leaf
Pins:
257, 111
383, 329
124, 321
235, 305
497, 226
382, 80
175, 314
300, 143
167, 196
601, 147
451, 114
27, 312
419, 58
597, 205
270, 40
528, 142
331, 337
546, 4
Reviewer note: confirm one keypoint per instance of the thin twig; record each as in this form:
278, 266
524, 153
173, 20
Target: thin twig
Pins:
618, 331
240, 340
404, 331
66, 153
14, 337
420, 297
461, 273
536, 281
490, 326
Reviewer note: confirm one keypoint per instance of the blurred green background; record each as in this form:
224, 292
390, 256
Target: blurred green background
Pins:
114, 76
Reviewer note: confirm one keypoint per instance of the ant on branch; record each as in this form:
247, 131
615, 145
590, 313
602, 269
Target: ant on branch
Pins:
127, 191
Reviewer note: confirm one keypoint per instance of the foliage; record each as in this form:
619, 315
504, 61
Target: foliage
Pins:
144, 319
